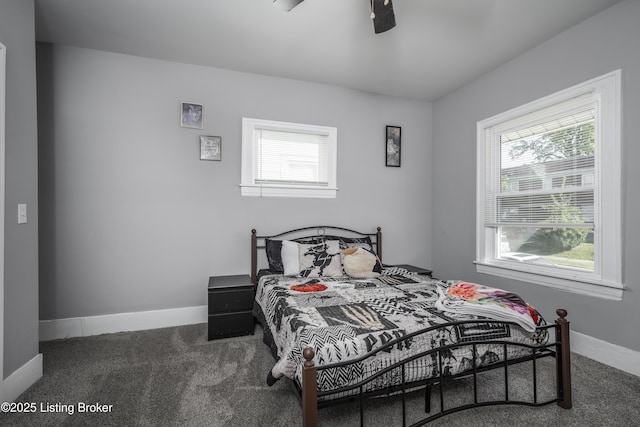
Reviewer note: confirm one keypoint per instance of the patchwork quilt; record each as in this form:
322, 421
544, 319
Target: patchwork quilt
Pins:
344, 318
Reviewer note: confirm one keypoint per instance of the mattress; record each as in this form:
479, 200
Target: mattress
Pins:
343, 319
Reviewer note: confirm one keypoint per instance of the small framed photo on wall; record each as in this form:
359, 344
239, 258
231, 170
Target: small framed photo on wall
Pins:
210, 147
191, 115
393, 138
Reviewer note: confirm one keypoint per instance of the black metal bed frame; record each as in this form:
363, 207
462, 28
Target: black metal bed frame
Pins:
312, 399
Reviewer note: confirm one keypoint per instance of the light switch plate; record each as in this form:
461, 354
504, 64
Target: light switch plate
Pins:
22, 213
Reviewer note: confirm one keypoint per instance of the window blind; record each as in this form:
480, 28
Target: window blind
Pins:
292, 158
541, 171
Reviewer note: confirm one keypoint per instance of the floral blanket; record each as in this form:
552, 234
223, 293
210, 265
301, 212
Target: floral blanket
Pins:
480, 300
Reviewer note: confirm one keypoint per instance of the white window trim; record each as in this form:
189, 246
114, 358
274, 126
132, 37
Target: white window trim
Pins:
247, 183
606, 280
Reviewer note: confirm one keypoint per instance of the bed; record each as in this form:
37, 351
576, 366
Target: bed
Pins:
392, 332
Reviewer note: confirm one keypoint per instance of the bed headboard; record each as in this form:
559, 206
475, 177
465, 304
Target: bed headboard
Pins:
317, 231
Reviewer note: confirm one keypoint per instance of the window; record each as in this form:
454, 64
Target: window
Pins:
288, 159
548, 191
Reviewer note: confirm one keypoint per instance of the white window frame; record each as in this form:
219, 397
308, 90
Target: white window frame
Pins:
606, 279
248, 185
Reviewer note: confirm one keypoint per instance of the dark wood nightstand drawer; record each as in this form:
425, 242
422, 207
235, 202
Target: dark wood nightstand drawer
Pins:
230, 300
230, 324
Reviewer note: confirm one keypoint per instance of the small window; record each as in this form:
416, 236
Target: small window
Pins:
549, 191
282, 159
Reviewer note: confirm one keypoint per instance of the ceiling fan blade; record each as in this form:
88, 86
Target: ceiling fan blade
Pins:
287, 4
384, 18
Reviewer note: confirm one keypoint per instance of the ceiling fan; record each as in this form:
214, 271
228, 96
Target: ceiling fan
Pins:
381, 13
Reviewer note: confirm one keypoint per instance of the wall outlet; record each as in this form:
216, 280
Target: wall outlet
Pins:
22, 213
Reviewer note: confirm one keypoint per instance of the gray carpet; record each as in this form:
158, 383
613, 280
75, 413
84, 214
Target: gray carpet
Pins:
175, 377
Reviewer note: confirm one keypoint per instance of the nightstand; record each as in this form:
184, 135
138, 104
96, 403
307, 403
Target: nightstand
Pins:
230, 300
414, 269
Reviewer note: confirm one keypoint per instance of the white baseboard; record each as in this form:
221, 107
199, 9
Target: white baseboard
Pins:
610, 354
121, 322
23, 378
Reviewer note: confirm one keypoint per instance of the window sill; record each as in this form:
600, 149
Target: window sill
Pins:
578, 285
283, 191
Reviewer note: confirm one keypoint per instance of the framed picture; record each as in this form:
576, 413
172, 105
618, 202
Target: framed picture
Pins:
393, 146
210, 147
191, 115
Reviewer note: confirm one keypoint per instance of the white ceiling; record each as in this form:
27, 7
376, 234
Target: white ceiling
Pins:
436, 47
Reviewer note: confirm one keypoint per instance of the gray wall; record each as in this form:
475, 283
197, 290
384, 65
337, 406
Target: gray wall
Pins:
132, 220
604, 43
21, 241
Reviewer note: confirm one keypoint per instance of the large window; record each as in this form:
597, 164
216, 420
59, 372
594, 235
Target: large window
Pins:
288, 159
549, 190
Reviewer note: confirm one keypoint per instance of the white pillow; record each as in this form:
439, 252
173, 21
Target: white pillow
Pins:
289, 254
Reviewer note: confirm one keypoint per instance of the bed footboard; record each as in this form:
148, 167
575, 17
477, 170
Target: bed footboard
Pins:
561, 352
